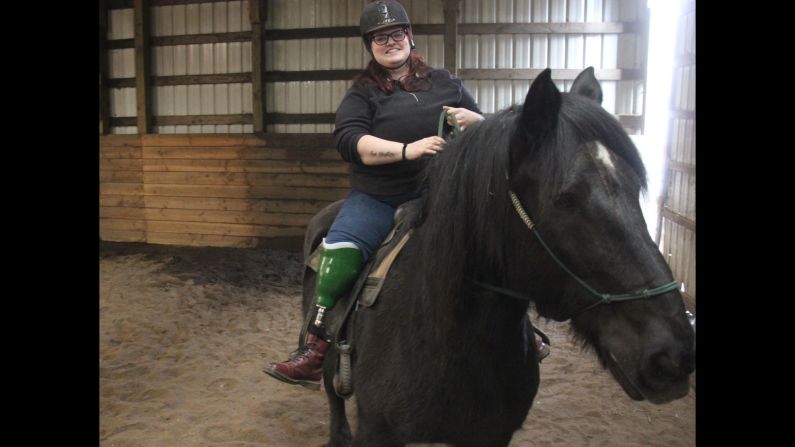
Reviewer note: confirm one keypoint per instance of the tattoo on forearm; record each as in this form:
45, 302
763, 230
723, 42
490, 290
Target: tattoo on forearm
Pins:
382, 154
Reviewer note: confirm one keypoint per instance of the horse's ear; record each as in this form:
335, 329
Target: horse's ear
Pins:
539, 118
587, 85
541, 106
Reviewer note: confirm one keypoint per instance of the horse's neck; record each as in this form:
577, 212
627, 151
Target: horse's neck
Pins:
452, 304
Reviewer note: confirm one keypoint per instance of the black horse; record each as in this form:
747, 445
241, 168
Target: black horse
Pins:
445, 355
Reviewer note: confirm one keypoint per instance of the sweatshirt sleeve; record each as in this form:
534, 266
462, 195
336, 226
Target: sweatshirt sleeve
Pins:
467, 101
354, 119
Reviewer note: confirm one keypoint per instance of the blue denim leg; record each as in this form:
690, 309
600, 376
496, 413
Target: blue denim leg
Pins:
363, 220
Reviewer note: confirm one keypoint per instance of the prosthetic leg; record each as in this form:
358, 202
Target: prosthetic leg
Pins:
340, 264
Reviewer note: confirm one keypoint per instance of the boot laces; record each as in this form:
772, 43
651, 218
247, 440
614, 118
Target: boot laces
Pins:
301, 353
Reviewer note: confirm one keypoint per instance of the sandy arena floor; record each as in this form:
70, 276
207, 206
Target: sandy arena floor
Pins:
185, 332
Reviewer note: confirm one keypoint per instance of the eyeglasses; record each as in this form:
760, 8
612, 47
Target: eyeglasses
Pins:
397, 36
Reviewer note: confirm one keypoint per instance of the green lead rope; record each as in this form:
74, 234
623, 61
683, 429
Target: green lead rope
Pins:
442, 117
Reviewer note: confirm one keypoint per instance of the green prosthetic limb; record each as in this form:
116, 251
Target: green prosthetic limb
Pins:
340, 264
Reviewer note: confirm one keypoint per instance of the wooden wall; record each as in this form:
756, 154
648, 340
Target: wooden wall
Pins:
235, 190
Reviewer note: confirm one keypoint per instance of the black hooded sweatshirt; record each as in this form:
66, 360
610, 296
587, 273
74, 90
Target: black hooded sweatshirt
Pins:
402, 116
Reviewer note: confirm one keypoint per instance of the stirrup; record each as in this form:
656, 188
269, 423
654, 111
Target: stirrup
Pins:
544, 352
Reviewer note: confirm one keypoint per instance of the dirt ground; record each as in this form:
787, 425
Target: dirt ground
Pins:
185, 333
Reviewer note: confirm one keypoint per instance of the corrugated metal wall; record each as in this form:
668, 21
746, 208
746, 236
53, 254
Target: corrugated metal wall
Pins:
677, 238
328, 54
572, 51
121, 64
209, 58
475, 51
193, 59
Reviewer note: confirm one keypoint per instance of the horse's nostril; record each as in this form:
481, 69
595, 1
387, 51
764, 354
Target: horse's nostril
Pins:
668, 365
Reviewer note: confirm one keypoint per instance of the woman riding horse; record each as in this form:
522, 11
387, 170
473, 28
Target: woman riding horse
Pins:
385, 125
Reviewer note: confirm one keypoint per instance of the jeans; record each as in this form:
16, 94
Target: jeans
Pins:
366, 220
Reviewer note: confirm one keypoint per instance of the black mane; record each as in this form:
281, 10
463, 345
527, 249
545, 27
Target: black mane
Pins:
467, 202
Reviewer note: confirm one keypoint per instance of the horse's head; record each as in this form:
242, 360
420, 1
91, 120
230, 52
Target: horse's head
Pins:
579, 177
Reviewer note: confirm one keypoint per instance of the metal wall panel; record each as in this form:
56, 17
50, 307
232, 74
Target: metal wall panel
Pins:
195, 59
121, 24
328, 54
571, 51
121, 64
475, 51
677, 233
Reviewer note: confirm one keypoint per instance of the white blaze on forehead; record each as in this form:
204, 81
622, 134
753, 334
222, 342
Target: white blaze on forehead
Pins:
603, 155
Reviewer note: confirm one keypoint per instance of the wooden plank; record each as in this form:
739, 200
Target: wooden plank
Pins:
229, 191
241, 179
340, 31
119, 152
134, 213
300, 118
245, 139
293, 243
679, 219
310, 75
260, 166
188, 120
465, 28
256, 12
203, 240
687, 168
225, 229
121, 225
124, 4
312, 33
120, 176
184, 2
124, 121
451, 12
110, 235
220, 229
241, 153
198, 39
128, 201
122, 189
227, 78
206, 216
202, 140
215, 204
120, 164
300, 140
118, 44
185, 39
104, 97
192, 120
548, 28
557, 74
120, 140
120, 4
142, 66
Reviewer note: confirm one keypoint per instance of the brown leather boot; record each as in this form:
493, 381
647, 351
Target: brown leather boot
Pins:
305, 366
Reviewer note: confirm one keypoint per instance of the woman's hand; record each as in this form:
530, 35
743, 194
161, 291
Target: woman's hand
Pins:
430, 145
464, 117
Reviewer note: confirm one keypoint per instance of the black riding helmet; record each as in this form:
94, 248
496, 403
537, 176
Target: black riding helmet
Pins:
382, 14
